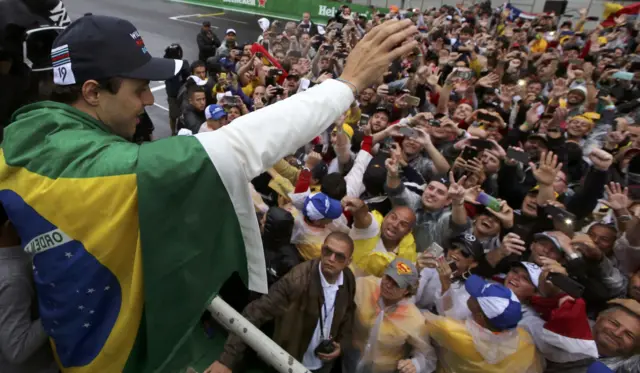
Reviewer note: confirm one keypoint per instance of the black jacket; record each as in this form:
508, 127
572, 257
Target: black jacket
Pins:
207, 45
280, 255
192, 119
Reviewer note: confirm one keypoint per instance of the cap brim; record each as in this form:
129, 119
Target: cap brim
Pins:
156, 69
474, 285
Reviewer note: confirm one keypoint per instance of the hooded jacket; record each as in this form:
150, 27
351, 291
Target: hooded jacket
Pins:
280, 255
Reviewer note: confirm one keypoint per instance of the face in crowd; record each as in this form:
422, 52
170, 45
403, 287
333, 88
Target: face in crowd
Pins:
435, 196
397, 224
198, 100
379, 121
336, 255
519, 281
617, 332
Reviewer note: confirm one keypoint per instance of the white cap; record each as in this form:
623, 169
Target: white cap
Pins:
230, 30
264, 24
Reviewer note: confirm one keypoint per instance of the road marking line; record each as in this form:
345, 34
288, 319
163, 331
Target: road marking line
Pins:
190, 22
197, 3
160, 106
211, 15
154, 89
186, 16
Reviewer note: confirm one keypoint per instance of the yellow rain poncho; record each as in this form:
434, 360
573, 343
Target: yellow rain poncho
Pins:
385, 336
374, 262
466, 347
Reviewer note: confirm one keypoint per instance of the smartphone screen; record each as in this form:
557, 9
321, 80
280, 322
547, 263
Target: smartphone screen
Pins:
412, 100
488, 201
407, 132
436, 250
481, 144
469, 153
516, 155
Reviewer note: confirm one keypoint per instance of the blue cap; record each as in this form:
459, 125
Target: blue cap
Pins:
598, 367
320, 206
214, 112
499, 304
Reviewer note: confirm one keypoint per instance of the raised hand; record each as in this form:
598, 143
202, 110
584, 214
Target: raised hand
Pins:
601, 159
352, 204
617, 198
505, 214
546, 173
383, 44
456, 190
393, 170
532, 114
512, 244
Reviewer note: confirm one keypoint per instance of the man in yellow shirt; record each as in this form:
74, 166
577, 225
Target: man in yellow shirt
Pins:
488, 342
379, 240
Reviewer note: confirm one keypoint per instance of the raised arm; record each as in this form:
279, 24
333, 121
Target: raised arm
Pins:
260, 139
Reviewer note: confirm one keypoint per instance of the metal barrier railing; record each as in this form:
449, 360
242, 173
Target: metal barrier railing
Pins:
267, 349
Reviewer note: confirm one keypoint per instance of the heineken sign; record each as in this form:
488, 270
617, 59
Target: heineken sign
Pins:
321, 10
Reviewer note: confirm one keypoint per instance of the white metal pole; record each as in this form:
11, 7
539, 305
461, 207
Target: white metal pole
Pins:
268, 350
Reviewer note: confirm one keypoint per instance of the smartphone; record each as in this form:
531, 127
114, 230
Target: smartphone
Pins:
592, 18
434, 123
486, 117
577, 62
318, 148
407, 132
436, 250
517, 155
481, 144
236, 100
412, 100
623, 75
329, 48
566, 284
259, 54
279, 90
561, 214
469, 153
364, 119
465, 75
488, 201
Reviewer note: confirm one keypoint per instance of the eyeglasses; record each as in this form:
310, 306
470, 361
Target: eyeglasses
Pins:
326, 251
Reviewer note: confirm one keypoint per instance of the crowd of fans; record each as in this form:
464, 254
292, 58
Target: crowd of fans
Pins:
477, 210
474, 211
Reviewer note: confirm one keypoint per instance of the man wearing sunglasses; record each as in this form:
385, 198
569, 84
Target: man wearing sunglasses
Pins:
313, 308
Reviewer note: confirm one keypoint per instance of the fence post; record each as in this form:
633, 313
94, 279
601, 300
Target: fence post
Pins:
267, 349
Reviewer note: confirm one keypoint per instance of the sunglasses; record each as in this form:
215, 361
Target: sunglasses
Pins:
340, 257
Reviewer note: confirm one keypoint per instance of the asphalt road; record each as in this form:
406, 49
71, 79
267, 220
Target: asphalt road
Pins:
162, 23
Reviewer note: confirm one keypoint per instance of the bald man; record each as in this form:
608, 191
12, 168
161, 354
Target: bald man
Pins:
379, 240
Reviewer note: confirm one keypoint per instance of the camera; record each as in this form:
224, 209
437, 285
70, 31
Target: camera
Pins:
325, 347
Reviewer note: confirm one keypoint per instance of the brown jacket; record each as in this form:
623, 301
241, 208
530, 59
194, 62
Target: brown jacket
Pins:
294, 303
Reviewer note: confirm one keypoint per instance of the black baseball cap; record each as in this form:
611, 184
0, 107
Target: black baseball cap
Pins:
469, 244
102, 47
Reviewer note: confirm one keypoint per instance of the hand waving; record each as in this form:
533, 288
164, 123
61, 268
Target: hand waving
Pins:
546, 173
617, 198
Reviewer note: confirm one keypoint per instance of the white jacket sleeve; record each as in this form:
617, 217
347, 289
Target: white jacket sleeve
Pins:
355, 187
259, 139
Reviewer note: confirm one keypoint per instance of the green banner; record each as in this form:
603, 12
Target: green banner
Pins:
321, 10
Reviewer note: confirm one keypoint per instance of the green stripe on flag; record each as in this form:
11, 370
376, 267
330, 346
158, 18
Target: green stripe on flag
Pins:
191, 241
45, 140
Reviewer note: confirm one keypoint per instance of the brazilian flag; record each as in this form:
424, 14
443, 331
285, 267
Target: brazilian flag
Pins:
129, 242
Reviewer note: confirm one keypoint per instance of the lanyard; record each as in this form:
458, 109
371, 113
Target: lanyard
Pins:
323, 319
